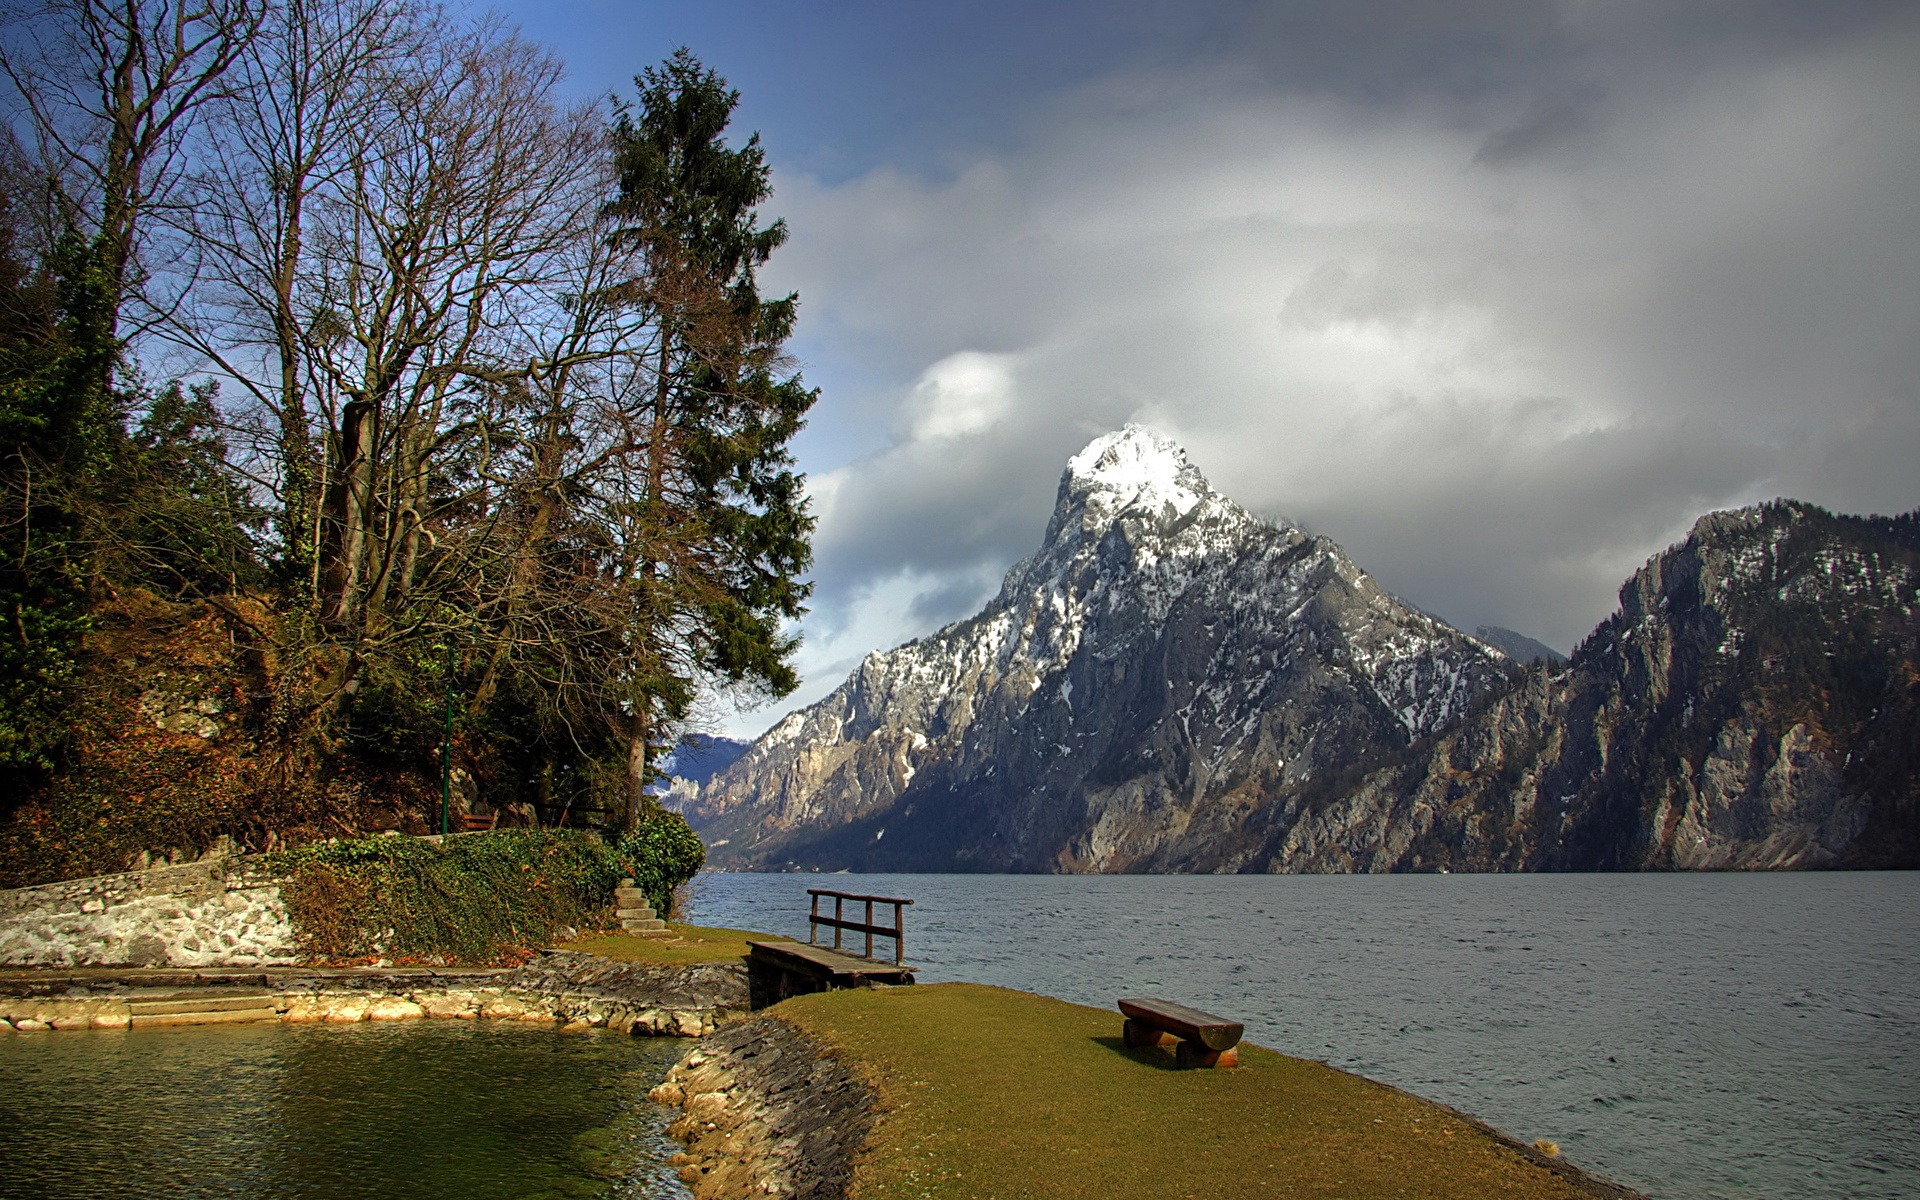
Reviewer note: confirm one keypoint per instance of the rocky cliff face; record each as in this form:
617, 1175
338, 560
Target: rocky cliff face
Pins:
1130, 701
1753, 704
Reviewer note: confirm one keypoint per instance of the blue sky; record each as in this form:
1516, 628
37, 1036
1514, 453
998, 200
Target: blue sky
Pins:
1501, 296
838, 89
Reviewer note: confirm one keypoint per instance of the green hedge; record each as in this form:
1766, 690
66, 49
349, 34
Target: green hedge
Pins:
661, 854
474, 898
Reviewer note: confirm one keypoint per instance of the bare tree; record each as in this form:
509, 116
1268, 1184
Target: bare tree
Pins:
113, 90
302, 87
419, 193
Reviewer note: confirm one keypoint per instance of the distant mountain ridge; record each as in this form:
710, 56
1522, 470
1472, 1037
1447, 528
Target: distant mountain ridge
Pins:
698, 757
1518, 646
1163, 660
1170, 684
1754, 704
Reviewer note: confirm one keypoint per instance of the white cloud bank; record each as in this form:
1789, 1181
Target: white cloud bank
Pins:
1502, 348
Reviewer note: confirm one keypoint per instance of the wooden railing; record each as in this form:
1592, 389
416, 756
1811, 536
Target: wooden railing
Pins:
838, 922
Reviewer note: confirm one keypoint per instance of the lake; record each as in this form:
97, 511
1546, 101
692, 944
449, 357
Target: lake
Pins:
1693, 1036
397, 1110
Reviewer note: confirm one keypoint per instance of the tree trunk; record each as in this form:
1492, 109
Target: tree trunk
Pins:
348, 493
298, 516
639, 745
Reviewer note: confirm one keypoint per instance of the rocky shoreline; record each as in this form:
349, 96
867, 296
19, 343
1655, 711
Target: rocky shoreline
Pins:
766, 1111
568, 989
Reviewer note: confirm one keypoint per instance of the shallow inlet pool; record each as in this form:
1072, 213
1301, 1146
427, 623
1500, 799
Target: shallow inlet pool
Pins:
420, 1110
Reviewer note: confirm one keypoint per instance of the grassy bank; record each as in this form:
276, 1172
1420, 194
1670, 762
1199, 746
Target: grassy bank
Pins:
994, 1094
689, 944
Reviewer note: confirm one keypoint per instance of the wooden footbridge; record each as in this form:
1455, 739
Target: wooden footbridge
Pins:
776, 970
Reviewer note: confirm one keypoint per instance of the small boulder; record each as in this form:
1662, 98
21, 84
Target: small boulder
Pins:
393, 1008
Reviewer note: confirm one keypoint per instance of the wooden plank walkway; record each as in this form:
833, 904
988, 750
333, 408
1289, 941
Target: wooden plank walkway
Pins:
776, 970
845, 970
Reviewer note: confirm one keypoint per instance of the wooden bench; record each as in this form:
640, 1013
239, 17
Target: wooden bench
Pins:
478, 822
1204, 1039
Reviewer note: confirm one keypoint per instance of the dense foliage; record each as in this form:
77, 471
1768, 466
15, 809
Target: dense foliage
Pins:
660, 853
54, 425
470, 898
467, 899
475, 474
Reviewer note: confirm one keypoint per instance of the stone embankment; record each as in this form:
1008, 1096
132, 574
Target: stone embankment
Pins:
765, 1111
201, 914
570, 990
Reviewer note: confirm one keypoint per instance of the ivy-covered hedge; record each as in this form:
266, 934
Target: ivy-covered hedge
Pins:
475, 898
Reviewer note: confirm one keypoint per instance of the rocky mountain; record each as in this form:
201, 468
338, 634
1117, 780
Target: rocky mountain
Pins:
1518, 646
698, 757
1753, 704
1129, 701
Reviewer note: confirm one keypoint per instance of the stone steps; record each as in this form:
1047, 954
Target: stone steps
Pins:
202, 1008
635, 914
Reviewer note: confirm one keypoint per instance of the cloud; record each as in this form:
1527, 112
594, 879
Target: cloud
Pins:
1502, 342
962, 395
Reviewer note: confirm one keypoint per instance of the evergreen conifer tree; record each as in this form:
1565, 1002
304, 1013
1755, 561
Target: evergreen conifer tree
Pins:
716, 519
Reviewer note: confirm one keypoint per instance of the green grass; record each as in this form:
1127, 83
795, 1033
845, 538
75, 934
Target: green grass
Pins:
994, 1094
689, 944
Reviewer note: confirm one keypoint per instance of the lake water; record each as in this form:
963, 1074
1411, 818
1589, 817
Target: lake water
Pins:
401, 1110
1691, 1036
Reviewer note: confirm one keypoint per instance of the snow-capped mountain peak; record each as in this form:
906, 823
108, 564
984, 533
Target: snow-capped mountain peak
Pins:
1162, 652
1135, 467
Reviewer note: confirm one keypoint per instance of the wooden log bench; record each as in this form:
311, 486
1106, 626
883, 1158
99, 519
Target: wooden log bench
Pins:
1204, 1039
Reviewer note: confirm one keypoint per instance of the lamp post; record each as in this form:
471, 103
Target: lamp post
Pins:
446, 747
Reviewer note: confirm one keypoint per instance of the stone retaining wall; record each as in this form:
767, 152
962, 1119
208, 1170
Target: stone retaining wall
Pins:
194, 915
567, 989
350, 1005
766, 1111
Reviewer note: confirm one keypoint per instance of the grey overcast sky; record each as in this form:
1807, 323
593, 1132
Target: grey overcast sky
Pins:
1501, 296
